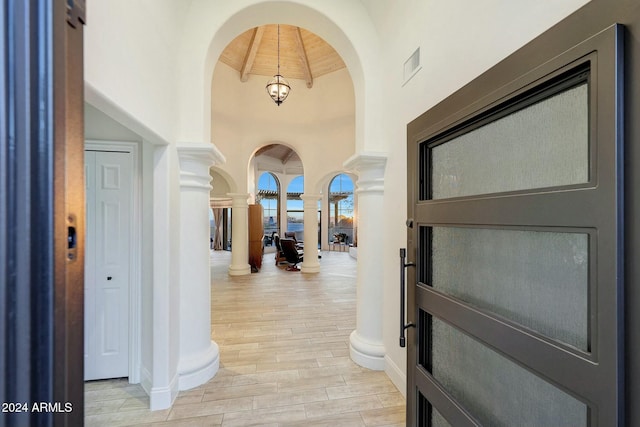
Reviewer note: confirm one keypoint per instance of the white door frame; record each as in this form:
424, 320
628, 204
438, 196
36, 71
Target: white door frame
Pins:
135, 243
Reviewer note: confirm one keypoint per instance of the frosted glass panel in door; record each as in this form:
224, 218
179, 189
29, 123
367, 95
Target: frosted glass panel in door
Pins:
543, 145
495, 390
428, 413
537, 279
437, 420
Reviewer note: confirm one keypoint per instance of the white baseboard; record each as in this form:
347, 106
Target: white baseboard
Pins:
163, 397
145, 379
397, 375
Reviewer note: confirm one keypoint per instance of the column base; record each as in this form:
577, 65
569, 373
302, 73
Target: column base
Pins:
196, 370
366, 354
239, 270
313, 268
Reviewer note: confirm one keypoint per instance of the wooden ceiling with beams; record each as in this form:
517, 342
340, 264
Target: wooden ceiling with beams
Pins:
303, 55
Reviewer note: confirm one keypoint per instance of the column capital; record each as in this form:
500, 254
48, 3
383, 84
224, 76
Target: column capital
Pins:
195, 161
370, 168
310, 200
310, 196
239, 200
366, 160
207, 153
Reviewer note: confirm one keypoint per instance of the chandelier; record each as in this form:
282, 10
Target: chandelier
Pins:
278, 88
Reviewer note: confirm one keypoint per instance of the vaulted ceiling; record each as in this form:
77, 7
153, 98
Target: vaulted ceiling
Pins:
279, 152
303, 55
279, 158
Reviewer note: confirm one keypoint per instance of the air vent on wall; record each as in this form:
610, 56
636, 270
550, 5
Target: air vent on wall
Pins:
411, 66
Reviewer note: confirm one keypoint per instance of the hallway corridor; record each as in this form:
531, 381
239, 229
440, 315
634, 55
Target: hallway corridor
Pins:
284, 351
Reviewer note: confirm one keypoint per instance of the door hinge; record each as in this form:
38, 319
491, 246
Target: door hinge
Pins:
76, 12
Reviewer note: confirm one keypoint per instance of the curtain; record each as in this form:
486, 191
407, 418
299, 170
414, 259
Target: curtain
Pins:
217, 238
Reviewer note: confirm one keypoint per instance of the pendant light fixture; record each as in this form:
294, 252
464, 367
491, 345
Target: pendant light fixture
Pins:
278, 88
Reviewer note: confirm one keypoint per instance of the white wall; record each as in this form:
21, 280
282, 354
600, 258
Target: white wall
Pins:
130, 57
458, 40
131, 75
100, 127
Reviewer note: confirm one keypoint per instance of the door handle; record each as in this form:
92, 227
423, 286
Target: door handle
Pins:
403, 325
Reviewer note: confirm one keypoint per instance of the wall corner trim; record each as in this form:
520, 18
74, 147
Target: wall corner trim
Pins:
163, 397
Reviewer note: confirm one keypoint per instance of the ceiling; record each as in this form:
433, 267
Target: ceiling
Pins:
303, 55
279, 152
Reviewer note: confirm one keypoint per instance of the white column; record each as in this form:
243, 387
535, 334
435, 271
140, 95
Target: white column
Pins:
366, 342
239, 235
324, 238
310, 263
199, 356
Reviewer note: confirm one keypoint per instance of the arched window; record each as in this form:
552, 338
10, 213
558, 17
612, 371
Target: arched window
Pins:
341, 210
295, 206
269, 197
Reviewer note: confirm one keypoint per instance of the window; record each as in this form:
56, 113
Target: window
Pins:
295, 207
269, 197
341, 210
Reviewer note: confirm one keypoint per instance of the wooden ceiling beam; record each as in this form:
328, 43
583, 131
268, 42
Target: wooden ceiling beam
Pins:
288, 156
258, 32
304, 60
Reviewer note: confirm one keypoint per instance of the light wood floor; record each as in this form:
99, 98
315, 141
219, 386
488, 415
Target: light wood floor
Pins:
284, 358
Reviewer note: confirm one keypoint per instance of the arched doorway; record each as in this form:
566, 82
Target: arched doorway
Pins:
324, 132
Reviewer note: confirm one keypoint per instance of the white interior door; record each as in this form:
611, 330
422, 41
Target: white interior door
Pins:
108, 196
